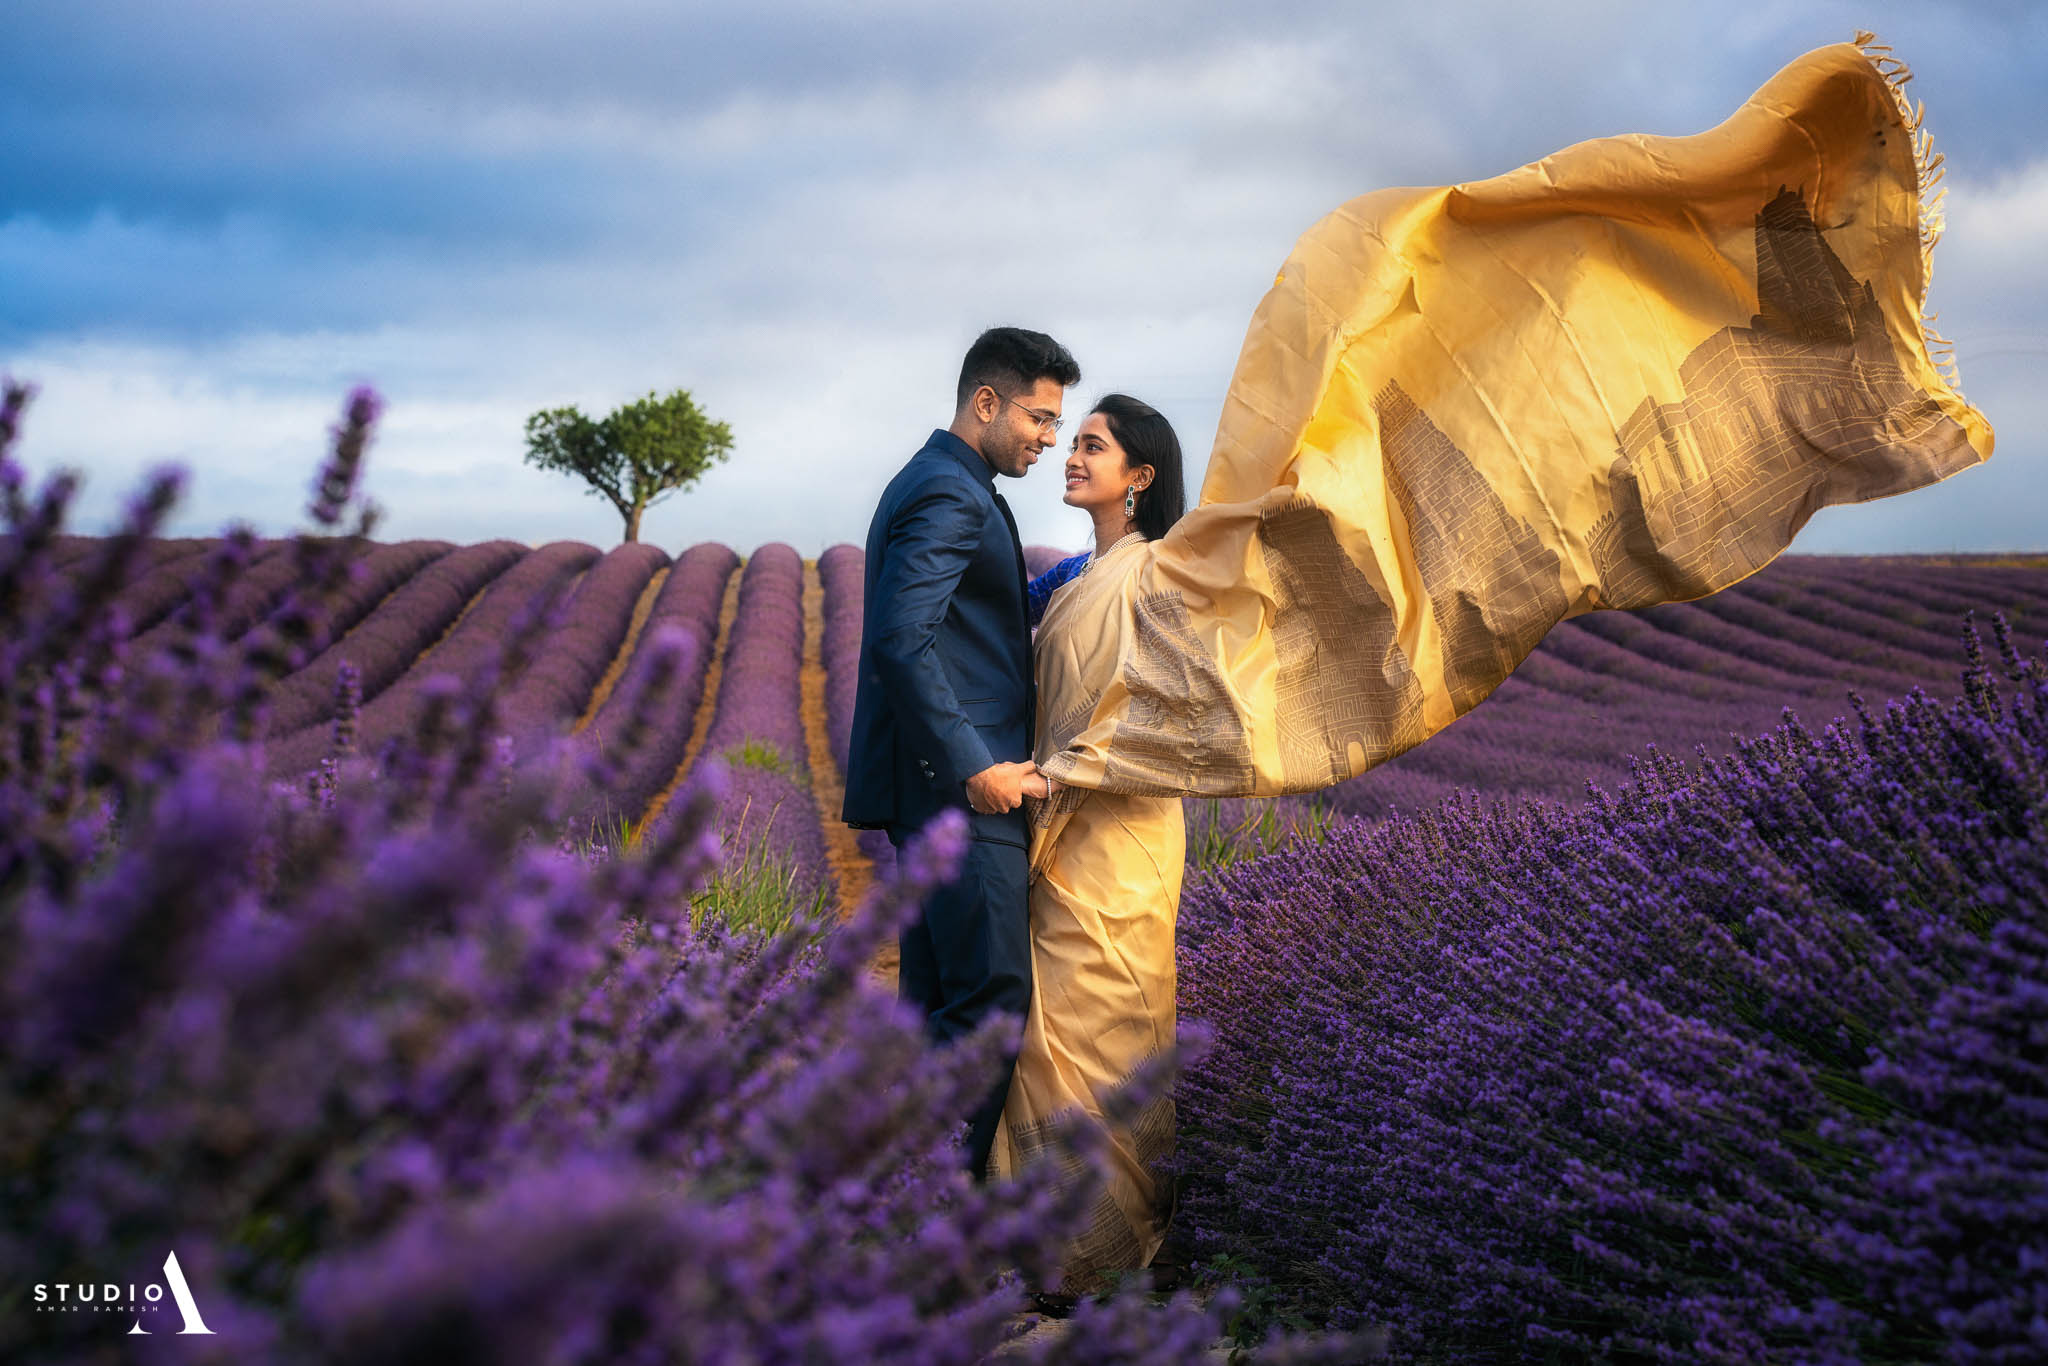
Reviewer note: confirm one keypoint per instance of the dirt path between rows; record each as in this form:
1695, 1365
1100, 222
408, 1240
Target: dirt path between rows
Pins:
850, 867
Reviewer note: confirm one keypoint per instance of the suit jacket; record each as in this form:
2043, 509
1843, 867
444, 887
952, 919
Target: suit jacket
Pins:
945, 686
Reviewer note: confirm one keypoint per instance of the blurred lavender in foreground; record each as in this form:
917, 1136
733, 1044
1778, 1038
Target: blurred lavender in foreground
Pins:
398, 1078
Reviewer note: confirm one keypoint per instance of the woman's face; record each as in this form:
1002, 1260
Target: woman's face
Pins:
1096, 473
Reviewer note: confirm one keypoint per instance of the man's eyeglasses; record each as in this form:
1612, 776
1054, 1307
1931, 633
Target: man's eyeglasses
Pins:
1047, 422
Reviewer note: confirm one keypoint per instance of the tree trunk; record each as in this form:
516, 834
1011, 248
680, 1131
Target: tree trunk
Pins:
633, 523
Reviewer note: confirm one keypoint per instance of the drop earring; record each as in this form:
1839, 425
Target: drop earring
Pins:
1131, 500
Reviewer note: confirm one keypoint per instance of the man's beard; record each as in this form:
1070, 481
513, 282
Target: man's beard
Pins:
1015, 460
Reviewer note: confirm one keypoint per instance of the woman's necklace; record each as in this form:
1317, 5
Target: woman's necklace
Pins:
1099, 554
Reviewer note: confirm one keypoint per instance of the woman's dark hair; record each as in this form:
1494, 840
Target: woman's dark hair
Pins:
1015, 357
1148, 439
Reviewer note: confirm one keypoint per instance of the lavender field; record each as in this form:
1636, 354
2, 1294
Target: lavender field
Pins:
452, 952
767, 687
768, 684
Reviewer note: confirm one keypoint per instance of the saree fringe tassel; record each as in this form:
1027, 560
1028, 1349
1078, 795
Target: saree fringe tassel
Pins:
1930, 169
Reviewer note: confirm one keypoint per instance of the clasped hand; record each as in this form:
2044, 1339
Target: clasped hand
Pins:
1003, 787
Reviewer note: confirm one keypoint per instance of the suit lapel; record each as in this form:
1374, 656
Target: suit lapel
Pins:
1016, 549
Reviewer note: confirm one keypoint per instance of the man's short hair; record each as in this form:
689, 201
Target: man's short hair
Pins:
1011, 360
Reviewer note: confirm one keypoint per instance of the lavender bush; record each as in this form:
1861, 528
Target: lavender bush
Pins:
396, 1079
1744, 1063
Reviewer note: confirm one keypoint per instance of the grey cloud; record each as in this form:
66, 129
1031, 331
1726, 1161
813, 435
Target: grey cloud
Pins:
803, 212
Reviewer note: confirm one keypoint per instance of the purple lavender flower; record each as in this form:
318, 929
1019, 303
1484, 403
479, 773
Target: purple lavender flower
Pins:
1715, 1068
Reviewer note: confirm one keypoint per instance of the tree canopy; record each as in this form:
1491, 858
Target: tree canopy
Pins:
634, 456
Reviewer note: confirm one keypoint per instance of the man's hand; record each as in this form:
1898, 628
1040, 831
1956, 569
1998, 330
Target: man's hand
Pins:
1001, 787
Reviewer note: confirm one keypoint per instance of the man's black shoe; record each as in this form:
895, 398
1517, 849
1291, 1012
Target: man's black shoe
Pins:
1052, 1306
1168, 1276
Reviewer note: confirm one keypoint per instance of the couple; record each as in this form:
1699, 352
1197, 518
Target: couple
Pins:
1046, 921
1622, 376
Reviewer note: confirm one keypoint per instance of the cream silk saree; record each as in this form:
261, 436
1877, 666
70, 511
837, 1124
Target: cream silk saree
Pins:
1623, 375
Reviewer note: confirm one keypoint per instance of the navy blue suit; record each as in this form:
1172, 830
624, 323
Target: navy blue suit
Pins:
945, 690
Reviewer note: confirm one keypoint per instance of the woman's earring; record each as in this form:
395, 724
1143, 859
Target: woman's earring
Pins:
1131, 500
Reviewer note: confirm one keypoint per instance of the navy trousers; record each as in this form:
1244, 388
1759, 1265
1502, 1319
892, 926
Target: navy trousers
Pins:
969, 953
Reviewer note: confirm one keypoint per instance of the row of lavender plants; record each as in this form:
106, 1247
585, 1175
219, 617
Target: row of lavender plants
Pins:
776, 846
400, 598
169, 571
585, 633
531, 587
384, 620
1804, 631
842, 572
663, 682
1741, 1064
263, 586
389, 1075
173, 583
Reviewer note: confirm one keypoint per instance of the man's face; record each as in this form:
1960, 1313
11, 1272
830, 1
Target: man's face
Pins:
1016, 433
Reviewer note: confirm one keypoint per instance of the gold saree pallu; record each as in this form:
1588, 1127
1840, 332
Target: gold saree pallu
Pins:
1626, 374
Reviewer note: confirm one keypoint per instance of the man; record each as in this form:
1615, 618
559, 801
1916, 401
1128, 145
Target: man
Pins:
943, 711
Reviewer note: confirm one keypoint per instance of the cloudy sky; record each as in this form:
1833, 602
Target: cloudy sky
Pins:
216, 215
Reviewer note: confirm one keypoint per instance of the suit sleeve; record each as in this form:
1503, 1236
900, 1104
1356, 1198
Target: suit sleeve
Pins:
931, 539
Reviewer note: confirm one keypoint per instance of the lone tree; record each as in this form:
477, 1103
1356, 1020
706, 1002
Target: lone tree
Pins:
642, 451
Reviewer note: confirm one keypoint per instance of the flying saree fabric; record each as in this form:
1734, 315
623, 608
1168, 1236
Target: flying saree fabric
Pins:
1623, 375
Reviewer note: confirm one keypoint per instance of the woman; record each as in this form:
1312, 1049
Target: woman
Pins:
1106, 885
1622, 376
